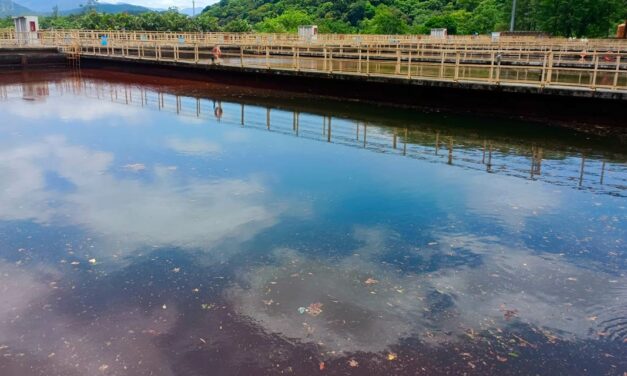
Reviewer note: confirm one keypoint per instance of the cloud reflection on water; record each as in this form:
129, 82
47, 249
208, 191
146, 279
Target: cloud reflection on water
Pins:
131, 206
546, 292
168, 209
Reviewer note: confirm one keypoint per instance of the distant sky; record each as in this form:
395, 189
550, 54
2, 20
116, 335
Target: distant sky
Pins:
164, 3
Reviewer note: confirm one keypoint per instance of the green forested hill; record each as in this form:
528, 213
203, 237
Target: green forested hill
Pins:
577, 18
559, 17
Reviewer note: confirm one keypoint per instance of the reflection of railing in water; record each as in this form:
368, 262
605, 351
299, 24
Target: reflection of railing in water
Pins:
528, 162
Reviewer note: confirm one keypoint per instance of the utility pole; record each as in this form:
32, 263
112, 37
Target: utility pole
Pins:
194, 8
513, 21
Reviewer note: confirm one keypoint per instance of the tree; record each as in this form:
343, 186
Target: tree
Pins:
386, 20
286, 22
484, 18
238, 26
579, 18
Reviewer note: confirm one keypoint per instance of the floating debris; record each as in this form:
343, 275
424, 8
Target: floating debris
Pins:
508, 313
321, 366
314, 309
353, 363
392, 356
371, 281
302, 310
103, 367
92, 261
164, 307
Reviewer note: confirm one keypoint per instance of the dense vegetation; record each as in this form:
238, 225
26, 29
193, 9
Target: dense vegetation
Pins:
170, 20
558, 17
591, 18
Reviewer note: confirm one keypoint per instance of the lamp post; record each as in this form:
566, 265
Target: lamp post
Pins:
194, 8
512, 23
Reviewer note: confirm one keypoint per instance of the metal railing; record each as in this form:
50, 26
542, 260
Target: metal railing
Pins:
593, 65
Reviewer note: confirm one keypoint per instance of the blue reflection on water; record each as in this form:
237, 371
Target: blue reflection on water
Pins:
134, 221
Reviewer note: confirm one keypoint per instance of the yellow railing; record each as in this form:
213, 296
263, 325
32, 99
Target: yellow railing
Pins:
511, 61
57, 37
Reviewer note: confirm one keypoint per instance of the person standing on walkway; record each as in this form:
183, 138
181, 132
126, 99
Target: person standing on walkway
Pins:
216, 53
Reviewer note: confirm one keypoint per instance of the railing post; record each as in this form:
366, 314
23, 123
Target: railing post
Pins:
491, 66
398, 60
241, 56
359, 58
544, 65
409, 65
442, 63
298, 58
368, 61
549, 74
196, 53
498, 68
596, 70
615, 86
331, 61
457, 57
267, 56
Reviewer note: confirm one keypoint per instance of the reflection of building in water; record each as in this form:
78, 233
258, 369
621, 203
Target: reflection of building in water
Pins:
35, 91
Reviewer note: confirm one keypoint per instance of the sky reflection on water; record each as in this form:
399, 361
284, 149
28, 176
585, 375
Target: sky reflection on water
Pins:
145, 233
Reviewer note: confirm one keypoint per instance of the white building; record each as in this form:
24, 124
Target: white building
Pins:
26, 29
308, 32
439, 33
